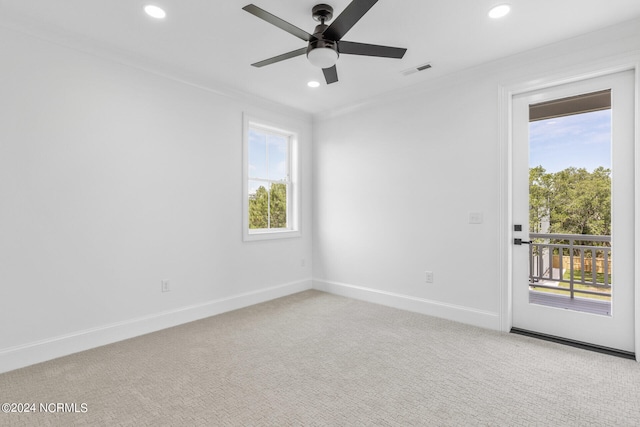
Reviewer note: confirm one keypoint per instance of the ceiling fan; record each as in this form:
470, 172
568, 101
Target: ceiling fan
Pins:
325, 44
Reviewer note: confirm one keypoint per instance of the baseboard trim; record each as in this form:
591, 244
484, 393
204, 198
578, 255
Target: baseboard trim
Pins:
52, 348
471, 316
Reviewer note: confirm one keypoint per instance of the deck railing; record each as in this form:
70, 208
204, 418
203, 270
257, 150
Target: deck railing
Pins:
584, 259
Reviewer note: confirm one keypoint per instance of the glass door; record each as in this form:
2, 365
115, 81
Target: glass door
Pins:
573, 202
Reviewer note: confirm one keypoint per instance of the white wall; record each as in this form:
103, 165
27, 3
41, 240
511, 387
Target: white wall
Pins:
113, 179
396, 179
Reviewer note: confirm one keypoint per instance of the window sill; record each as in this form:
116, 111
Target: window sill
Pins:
250, 236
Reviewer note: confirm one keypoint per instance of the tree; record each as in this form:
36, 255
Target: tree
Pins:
278, 206
540, 191
259, 209
574, 200
268, 209
581, 202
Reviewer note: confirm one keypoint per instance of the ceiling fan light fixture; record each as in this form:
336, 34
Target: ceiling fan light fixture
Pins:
499, 11
323, 57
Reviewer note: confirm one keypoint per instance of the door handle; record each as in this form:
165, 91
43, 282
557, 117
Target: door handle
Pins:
520, 242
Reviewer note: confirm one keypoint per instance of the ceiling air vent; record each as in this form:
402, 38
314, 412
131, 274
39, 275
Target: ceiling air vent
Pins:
416, 69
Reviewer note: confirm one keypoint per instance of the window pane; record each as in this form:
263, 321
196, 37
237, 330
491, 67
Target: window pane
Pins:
277, 146
257, 154
269, 184
258, 205
278, 205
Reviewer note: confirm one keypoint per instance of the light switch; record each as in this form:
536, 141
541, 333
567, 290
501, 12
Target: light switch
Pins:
475, 217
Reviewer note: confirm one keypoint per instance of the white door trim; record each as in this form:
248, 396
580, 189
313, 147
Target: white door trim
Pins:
506, 94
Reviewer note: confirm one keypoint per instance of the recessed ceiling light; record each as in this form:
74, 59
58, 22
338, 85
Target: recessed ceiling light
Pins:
155, 11
313, 83
499, 11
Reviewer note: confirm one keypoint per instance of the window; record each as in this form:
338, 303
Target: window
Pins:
270, 187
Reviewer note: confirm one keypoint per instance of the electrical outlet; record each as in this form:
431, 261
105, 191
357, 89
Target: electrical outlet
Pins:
164, 286
428, 276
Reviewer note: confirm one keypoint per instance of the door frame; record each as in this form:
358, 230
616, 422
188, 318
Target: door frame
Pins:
506, 94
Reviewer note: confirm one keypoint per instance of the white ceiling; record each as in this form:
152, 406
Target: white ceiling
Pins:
213, 42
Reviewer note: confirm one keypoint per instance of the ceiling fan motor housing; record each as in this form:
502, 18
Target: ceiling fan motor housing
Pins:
322, 43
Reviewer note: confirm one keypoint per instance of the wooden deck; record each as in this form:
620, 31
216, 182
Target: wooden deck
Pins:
587, 305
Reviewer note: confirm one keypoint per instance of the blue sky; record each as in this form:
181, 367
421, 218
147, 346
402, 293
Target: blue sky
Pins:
267, 158
580, 140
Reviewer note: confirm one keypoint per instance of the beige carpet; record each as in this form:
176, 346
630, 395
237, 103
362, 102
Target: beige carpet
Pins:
319, 359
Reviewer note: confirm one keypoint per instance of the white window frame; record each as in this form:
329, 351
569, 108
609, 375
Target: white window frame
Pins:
293, 187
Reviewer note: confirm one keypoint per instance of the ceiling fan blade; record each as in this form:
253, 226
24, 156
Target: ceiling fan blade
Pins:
330, 74
280, 23
348, 18
282, 57
353, 48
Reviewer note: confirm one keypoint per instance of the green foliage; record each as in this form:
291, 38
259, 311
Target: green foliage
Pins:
574, 201
268, 209
539, 197
259, 209
278, 206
